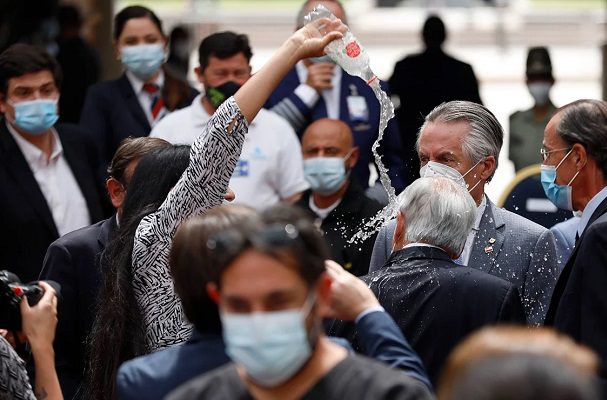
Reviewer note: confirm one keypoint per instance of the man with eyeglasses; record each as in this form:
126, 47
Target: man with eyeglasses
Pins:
462, 140
574, 176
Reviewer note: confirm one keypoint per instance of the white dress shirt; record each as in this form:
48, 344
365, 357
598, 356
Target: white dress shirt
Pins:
145, 98
57, 183
480, 210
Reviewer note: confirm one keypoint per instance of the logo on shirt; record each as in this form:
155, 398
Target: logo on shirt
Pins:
242, 169
257, 154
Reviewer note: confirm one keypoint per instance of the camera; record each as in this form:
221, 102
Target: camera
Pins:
11, 293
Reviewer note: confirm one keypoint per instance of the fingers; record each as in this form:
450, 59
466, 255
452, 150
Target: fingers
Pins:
49, 291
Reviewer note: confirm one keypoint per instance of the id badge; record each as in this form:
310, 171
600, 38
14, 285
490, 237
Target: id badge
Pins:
357, 108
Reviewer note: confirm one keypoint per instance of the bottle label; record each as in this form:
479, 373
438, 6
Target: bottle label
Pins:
352, 50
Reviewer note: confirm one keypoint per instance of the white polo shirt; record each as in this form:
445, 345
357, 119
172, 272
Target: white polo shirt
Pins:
270, 167
57, 183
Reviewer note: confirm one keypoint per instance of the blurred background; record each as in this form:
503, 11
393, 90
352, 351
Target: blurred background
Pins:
492, 35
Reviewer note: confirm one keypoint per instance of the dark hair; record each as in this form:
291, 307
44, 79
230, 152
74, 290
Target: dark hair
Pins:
585, 122
522, 377
434, 32
190, 264
21, 59
131, 149
132, 12
223, 45
301, 246
117, 334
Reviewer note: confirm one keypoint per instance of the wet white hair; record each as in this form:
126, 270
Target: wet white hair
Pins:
439, 212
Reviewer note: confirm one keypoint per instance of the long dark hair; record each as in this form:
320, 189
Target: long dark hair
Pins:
132, 12
117, 334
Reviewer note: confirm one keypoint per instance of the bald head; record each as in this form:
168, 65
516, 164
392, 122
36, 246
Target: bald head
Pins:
327, 138
334, 6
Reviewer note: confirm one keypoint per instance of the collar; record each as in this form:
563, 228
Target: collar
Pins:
137, 83
420, 245
321, 212
480, 210
417, 251
590, 209
33, 155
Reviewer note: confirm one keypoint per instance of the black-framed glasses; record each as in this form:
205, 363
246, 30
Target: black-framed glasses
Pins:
546, 153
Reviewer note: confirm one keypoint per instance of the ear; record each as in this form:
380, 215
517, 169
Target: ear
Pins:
489, 167
323, 295
353, 157
398, 240
580, 156
213, 292
116, 191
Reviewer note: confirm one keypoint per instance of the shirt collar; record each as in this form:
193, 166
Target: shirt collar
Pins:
421, 245
33, 155
137, 83
480, 210
590, 209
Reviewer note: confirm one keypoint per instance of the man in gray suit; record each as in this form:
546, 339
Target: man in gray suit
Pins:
462, 140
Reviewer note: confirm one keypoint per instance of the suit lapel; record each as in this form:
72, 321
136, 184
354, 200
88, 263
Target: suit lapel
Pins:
132, 101
489, 239
17, 166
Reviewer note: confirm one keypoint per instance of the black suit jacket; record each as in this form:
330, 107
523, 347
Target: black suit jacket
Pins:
436, 303
579, 301
112, 112
73, 262
423, 81
28, 226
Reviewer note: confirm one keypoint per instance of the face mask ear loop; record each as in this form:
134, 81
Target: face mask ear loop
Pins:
564, 158
471, 168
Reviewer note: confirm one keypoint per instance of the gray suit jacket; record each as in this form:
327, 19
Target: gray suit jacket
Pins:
508, 246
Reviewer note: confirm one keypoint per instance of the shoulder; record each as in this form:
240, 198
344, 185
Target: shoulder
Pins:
271, 123
221, 383
520, 226
81, 236
105, 87
172, 124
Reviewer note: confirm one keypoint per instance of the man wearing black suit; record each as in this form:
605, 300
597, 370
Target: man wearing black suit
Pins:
73, 262
574, 175
425, 80
47, 171
434, 301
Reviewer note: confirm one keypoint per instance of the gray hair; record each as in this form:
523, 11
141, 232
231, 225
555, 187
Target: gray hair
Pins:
439, 212
585, 122
486, 135
304, 10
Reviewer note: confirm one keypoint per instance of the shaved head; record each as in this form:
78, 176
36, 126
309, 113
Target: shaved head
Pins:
327, 138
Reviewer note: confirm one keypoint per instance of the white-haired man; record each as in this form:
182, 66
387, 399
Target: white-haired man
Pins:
462, 140
422, 288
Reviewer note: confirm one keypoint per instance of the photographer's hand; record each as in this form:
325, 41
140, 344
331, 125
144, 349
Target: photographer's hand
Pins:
38, 325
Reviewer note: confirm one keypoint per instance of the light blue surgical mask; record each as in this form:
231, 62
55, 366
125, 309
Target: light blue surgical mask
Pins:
559, 195
270, 346
143, 60
326, 175
35, 116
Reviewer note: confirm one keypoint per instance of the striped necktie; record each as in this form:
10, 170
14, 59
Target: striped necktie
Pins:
157, 101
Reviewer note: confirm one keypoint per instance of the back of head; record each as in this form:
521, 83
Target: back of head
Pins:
132, 149
486, 135
223, 45
585, 122
538, 64
522, 377
434, 32
285, 233
439, 212
21, 59
190, 262
132, 12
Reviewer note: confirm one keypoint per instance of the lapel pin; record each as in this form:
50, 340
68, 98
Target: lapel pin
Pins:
489, 249
492, 240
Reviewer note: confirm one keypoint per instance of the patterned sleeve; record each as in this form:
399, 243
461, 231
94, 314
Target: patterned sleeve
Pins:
202, 186
14, 383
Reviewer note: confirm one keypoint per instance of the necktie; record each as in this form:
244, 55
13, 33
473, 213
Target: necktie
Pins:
157, 101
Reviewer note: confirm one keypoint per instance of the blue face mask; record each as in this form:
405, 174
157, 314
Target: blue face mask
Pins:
559, 195
326, 175
271, 346
36, 116
143, 60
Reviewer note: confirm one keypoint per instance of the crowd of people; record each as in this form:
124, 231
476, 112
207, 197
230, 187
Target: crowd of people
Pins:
198, 245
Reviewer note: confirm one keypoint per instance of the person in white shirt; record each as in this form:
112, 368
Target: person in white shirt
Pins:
47, 170
270, 167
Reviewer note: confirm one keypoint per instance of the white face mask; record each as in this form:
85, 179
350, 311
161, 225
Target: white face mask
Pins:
433, 168
540, 91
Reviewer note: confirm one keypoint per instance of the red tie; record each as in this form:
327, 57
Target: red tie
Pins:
157, 101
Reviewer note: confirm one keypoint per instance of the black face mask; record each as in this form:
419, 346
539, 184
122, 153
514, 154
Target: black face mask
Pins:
219, 94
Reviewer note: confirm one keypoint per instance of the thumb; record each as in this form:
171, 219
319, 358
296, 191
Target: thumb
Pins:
24, 305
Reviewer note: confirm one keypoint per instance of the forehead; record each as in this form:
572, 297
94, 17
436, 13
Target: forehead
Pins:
139, 27
31, 80
443, 136
255, 275
324, 135
237, 61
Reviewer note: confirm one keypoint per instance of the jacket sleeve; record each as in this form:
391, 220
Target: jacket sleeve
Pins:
382, 247
382, 340
93, 119
294, 110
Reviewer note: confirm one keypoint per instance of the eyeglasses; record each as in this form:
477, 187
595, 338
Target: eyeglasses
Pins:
546, 153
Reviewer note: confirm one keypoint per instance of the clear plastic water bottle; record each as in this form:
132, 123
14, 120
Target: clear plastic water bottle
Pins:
346, 52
